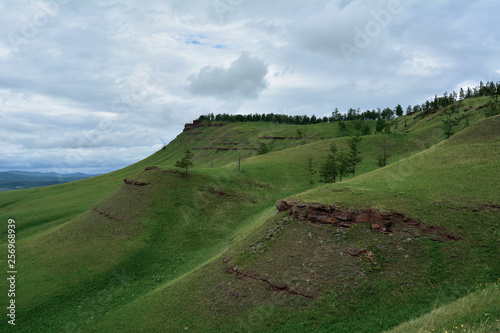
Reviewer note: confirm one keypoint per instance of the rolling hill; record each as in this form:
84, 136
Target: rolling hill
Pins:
162, 252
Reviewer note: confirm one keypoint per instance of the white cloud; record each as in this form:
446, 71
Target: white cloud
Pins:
115, 79
244, 78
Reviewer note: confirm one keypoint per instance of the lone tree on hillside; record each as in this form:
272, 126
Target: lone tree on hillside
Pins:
344, 166
449, 121
329, 170
354, 153
300, 134
263, 149
185, 162
385, 152
310, 168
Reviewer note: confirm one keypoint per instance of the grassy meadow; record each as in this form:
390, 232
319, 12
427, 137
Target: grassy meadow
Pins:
100, 255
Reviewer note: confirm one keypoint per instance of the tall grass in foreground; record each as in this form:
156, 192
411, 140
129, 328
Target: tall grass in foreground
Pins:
476, 312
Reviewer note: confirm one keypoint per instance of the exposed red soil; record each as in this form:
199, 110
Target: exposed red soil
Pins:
106, 214
274, 287
279, 137
483, 106
381, 222
224, 194
197, 124
134, 183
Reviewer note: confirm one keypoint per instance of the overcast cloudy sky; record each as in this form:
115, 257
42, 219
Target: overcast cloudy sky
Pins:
96, 85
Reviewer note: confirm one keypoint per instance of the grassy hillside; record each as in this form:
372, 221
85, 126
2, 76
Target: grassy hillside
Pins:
475, 312
102, 255
328, 287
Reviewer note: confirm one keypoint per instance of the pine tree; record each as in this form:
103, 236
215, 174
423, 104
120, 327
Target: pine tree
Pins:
342, 125
344, 166
385, 152
263, 149
185, 162
329, 169
333, 162
354, 152
449, 121
399, 110
408, 109
380, 125
310, 168
461, 94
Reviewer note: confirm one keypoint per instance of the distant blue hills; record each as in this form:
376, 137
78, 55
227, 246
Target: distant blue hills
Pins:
15, 180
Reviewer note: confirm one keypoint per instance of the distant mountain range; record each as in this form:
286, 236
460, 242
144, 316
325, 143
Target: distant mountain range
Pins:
15, 180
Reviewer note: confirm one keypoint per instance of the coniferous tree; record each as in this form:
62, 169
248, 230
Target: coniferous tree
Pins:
380, 125
385, 152
354, 154
365, 129
324, 172
300, 133
449, 121
310, 168
329, 169
333, 162
408, 109
185, 162
342, 125
399, 110
461, 95
263, 149
344, 166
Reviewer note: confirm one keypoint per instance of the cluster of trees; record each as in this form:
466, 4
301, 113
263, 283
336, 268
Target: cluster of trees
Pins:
351, 114
338, 163
484, 89
489, 89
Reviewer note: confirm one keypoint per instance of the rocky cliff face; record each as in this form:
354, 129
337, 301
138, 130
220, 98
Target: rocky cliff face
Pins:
198, 124
382, 222
324, 214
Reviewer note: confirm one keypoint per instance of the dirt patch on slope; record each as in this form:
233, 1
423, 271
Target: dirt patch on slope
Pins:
134, 182
381, 222
106, 214
274, 287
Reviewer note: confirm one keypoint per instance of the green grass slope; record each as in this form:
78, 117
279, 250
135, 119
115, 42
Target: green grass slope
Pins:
102, 255
328, 287
476, 312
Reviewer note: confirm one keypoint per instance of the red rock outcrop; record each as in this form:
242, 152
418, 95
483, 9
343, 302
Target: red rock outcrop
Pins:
380, 221
324, 214
134, 183
198, 123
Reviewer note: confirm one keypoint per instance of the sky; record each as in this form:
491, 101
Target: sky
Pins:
93, 86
